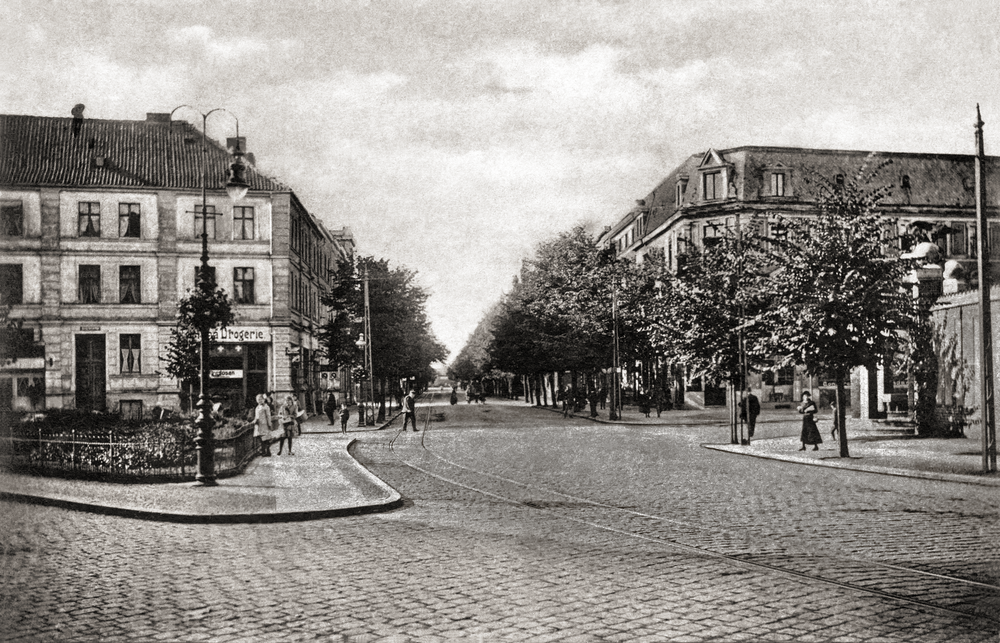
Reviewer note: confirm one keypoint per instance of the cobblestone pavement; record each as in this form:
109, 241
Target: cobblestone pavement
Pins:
501, 540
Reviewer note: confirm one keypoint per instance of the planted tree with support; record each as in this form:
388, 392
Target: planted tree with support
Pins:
837, 298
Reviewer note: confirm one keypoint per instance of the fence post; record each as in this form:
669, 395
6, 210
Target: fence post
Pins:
74, 449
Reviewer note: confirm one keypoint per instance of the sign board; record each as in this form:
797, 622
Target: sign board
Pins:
220, 374
240, 335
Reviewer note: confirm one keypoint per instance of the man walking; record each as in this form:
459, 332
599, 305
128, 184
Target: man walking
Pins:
410, 410
749, 410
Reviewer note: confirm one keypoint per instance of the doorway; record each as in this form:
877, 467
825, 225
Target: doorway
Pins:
91, 373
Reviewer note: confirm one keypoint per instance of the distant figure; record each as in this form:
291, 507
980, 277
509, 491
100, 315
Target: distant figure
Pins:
749, 410
454, 396
658, 398
330, 406
410, 410
345, 414
564, 395
643, 399
810, 432
603, 395
262, 425
592, 401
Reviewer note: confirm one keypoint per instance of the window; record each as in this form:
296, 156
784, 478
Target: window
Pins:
128, 220
129, 353
243, 286
90, 285
129, 289
131, 410
11, 219
993, 240
208, 215
11, 284
242, 222
89, 218
778, 184
712, 185
959, 239
679, 193
211, 274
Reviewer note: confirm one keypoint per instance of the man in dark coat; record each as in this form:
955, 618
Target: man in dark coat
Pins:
749, 410
410, 410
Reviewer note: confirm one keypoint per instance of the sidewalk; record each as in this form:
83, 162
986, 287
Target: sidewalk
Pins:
872, 449
321, 480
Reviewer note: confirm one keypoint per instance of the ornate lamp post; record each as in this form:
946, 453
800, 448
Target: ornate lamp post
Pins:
236, 187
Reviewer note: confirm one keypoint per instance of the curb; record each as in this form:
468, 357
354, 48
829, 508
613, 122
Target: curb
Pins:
394, 501
839, 463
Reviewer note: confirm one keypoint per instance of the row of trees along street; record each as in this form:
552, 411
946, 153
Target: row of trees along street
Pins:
825, 291
403, 346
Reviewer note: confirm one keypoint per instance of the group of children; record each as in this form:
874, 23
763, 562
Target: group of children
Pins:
268, 432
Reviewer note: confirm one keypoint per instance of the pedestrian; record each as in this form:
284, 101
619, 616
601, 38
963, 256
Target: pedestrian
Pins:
810, 432
345, 414
454, 396
296, 413
286, 419
603, 395
564, 398
658, 398
643, 399
410, 410
749, 410
262, 425
330, 406
592, 401
469, 395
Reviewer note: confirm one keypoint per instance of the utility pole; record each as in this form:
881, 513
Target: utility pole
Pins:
986, 400
368, 351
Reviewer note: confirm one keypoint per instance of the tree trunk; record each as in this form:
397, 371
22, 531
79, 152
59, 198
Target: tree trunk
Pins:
841, 415
381, 395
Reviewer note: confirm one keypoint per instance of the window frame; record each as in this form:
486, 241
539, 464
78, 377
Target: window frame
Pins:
779, 181
7, 284
717, 182
131, 342
91, 217
134, 281
7, 207
131, 212
240, 222
211, 227
93, 287
243, 287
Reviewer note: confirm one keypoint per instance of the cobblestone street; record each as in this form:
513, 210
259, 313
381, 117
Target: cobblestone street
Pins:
520, 525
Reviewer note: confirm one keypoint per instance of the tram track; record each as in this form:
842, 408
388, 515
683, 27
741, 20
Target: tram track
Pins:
923, 589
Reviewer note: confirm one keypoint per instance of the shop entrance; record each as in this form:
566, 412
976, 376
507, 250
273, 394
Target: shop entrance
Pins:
237, 373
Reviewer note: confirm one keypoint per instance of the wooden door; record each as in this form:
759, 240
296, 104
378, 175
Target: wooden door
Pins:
91, 372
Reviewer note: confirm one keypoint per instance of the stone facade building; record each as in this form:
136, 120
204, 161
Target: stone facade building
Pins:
101, 236
719, 189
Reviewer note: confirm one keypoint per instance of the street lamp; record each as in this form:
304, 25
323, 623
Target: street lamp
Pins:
236, 187
362, 343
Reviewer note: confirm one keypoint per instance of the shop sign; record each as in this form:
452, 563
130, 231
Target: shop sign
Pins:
221, 374
241, 335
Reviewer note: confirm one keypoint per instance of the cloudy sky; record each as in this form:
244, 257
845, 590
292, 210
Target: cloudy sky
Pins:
453, 135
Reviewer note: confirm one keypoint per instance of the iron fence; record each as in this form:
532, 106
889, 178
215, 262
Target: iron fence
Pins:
163, 455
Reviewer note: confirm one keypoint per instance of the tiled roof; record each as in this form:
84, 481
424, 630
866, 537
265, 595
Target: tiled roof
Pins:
38, 151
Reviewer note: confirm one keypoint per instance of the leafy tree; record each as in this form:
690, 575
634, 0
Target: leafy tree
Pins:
838, 302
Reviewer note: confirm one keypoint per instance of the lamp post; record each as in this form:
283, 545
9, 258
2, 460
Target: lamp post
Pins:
362, 343
236, 187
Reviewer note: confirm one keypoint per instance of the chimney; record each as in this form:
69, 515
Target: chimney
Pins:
237, 144
157, 117
77, 112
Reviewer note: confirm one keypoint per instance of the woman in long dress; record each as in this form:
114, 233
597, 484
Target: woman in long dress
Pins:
262, 425
810, 432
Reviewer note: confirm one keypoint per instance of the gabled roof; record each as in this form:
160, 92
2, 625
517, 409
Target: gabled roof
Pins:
711, 159
155, 153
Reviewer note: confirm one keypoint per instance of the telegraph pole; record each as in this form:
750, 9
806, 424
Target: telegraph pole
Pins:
986, 400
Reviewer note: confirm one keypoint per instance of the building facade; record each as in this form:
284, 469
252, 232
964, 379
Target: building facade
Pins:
932, 194
100, 239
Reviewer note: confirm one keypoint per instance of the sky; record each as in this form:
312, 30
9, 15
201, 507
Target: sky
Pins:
453, 136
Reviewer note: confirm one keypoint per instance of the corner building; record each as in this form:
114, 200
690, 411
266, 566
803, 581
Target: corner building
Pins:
100, 236
719, 189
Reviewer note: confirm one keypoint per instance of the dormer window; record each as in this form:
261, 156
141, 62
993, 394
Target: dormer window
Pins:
712, 185
839, 180
777, 184
905, 183
679, 193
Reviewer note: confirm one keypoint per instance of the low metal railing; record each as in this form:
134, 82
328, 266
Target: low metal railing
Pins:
164, 456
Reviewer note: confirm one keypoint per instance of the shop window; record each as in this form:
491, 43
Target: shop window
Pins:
243, 221
11, 219
130, 353
204, 221
90, 285
89, 218
128, 220
11, 284
243, 290
129, 285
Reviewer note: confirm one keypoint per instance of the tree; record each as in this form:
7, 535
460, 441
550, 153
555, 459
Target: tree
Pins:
838, 301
